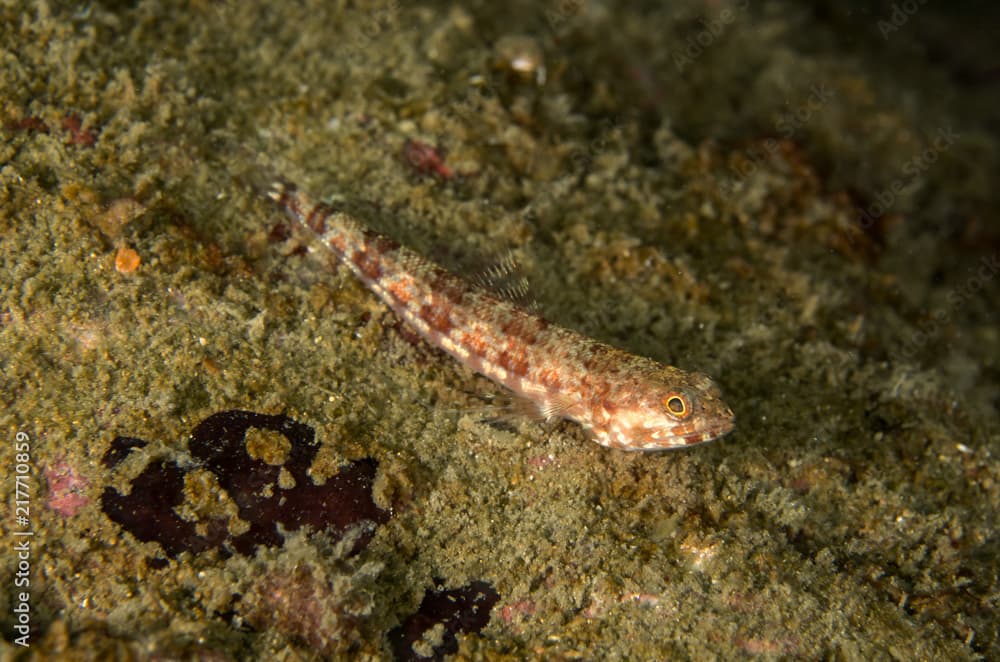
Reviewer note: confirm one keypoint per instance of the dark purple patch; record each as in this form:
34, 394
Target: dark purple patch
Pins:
157, 563
218, 443
465, 609
148, 511
120, 448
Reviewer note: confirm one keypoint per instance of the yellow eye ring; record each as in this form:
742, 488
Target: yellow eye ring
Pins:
677, 405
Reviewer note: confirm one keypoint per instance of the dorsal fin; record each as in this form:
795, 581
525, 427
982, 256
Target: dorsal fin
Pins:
505, 280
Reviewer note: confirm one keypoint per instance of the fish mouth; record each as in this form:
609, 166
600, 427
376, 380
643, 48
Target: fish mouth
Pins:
706, 431
683, 437
709, 433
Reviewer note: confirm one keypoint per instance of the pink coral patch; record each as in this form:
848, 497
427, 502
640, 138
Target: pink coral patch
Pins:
66, 489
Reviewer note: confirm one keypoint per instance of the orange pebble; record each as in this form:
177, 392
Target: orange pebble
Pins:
126, 260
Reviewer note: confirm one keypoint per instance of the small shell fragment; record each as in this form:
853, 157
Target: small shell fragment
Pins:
126, 260
521, 55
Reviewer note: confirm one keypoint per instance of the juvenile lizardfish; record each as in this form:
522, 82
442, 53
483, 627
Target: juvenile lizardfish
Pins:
622, 400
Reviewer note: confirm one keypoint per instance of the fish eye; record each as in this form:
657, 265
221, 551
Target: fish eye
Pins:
677, 405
